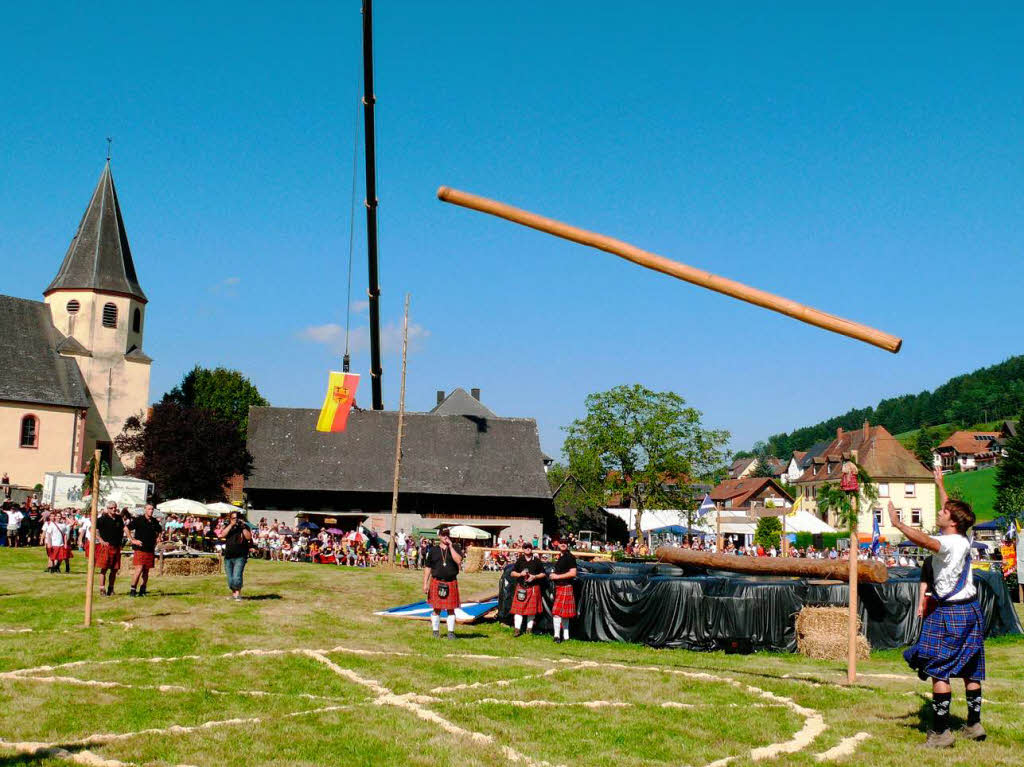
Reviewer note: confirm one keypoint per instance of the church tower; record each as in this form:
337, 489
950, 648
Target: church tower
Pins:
96, 302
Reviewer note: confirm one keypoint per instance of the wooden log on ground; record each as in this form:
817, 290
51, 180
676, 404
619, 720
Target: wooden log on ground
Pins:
664, 265
869, 571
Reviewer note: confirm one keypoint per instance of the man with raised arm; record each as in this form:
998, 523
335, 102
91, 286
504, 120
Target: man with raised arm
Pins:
952, 641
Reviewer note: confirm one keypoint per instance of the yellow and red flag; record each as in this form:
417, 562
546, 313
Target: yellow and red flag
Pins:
341, 395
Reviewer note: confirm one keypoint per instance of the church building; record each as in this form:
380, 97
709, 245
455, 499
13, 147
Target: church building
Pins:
72, 368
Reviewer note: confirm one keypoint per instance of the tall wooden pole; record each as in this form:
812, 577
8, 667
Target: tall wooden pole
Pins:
719, 548
398, 441
664, 265
851, 661
92, 545
373, 291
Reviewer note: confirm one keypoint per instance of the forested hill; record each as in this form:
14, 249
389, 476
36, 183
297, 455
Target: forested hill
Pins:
986, 394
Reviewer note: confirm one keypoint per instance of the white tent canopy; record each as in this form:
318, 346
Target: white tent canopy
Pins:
805, 522
657, 518
468, 532
222, 508
185, 506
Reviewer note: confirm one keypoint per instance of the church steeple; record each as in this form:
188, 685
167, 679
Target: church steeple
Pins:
99, 257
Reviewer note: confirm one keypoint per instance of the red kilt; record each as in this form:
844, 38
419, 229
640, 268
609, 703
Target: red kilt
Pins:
108, 557
565, 602
58, 553
143, 558
532, 605
448, 603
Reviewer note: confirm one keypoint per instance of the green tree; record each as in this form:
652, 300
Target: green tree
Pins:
1010, 477
831, 497
574, 509
768, 532
185, 452
645, 446
762, 468
226, 392
924, 446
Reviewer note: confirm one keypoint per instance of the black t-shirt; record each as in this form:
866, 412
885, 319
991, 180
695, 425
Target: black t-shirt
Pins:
111, 529
442, 565
928, 574
533, 567
237, 545
146, 531
565, 563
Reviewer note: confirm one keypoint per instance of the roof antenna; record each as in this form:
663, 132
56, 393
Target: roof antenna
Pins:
109, 141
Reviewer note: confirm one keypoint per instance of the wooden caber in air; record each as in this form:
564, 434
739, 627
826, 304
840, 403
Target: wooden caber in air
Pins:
870, 571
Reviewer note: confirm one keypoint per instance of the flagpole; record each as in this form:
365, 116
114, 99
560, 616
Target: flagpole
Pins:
398, 442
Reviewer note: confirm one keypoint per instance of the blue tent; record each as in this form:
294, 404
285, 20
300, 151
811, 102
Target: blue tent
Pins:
676, 530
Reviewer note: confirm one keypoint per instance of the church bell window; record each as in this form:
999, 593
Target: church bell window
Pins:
73, 306
109, 316
137, 321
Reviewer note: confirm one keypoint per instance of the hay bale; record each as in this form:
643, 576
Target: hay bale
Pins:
187, 566
474, 560
821, 632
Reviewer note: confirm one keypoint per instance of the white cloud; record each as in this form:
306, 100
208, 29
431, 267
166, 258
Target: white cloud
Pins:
232, 280
360, 306
332, 335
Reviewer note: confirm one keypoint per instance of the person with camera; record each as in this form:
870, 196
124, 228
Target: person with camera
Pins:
528, 573
440, 581
237, 542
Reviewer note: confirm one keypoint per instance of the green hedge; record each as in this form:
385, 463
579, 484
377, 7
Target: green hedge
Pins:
803, 540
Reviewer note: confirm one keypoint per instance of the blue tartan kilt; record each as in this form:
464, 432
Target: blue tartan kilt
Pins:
952, 643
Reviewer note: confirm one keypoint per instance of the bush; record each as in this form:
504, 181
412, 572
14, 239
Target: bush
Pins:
803, 540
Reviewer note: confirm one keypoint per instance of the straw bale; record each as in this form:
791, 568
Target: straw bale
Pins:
191, 566
474, 560
821, 632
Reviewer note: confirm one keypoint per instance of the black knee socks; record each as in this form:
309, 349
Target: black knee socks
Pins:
940, 710
973, 706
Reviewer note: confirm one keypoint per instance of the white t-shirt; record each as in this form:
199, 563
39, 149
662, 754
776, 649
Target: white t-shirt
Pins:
86, 529
56, 534
948, 562
14, 519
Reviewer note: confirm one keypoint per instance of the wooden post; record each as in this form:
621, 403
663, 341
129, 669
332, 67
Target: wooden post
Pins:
785, 541
91, 569
851, 661
719, 548
398, 441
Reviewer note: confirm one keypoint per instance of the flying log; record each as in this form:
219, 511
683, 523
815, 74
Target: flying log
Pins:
869, 571
664, 265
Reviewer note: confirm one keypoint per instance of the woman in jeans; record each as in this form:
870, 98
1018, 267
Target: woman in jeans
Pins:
237, 540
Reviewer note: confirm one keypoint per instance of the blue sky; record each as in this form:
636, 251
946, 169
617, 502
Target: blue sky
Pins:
866, 160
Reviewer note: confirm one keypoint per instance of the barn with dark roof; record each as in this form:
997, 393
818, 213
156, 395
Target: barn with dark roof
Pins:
457, 468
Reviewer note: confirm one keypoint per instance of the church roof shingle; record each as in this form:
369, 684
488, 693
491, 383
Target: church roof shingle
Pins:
98, 257
31, 368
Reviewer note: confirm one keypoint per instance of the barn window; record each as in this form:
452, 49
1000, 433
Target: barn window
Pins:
109, 316
73, 306
30, 431
137, 321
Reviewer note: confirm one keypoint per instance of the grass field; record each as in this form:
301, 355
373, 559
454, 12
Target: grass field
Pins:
302, 673
979, 490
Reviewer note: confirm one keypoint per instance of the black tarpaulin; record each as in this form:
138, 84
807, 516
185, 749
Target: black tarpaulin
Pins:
666, 606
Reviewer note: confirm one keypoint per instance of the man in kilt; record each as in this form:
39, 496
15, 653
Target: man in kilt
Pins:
528, 573
143, 532
55, 538
440, 581
110, 535
952, 641
564, 607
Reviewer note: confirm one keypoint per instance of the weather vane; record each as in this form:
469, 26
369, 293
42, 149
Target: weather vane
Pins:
109, 142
